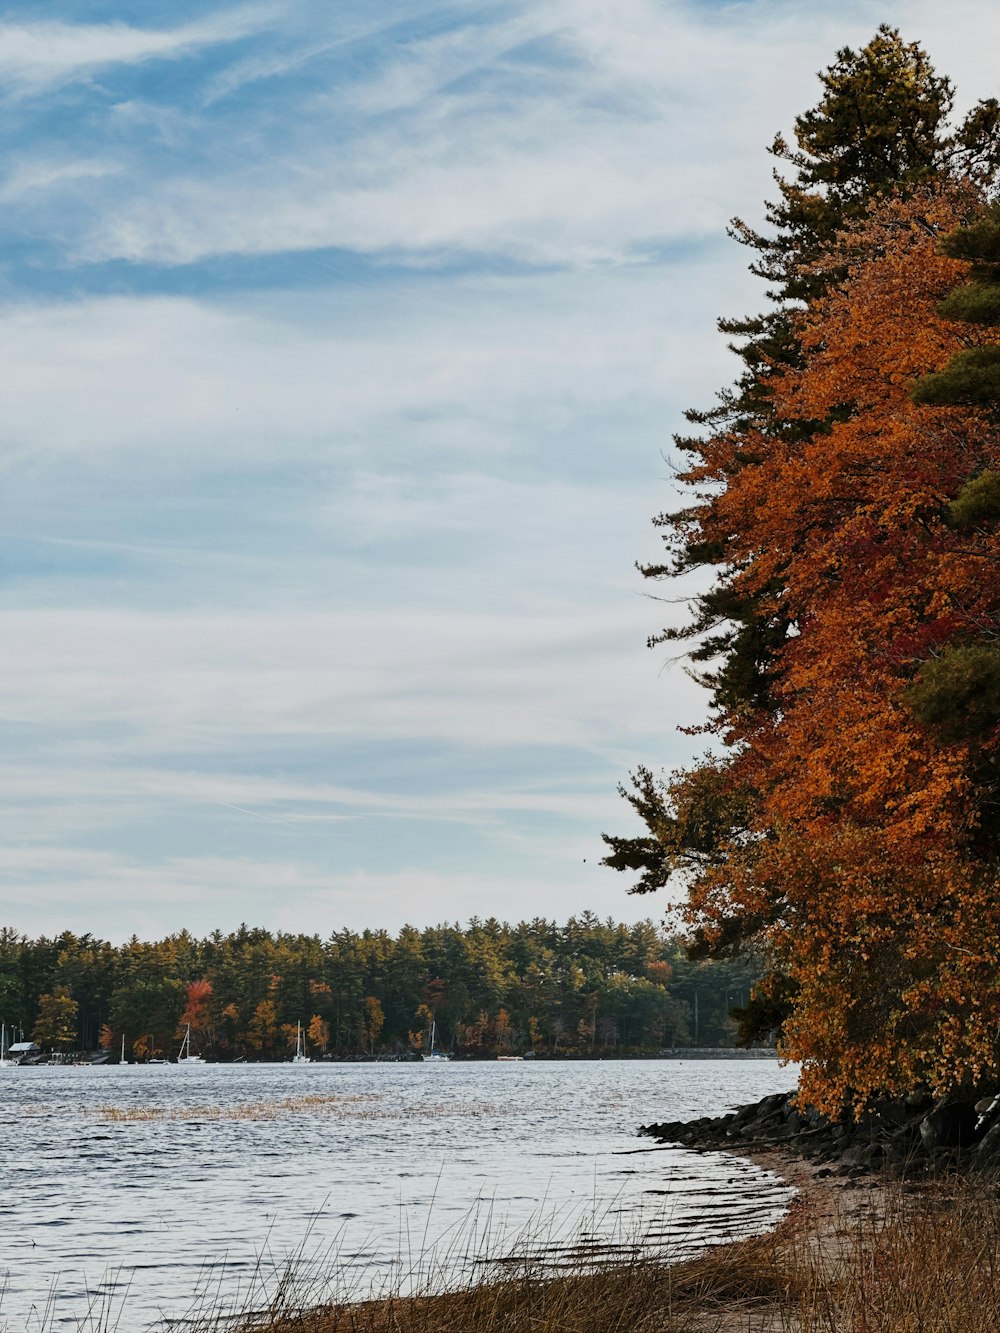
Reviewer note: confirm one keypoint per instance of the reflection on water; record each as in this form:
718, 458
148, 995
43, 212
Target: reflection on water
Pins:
169, 1181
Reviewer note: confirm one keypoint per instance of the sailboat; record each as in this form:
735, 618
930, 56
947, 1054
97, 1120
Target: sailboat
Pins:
184, 1056
432, 1056
300, 1057
4, 1062
123, 1061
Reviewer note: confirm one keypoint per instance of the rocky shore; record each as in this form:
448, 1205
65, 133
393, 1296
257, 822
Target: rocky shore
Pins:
905, 1137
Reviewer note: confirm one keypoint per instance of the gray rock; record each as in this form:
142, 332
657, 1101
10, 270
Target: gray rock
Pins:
949, 1125
988, 1111
988, 1147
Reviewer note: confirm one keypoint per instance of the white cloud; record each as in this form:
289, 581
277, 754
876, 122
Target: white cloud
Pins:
193, 683
594, 155
34, 175
35, 56
86, 797
625, 131
455, 367
117, 896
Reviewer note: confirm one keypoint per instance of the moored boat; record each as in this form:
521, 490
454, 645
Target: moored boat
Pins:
432, 1055
300, 1057
184, 1056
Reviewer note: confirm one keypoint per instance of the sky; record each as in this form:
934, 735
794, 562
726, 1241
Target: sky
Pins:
341, 347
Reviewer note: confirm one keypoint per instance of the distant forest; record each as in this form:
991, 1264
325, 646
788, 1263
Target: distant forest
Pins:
584, 988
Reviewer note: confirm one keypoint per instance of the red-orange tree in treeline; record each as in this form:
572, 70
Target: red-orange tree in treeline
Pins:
197, 1010
866, 848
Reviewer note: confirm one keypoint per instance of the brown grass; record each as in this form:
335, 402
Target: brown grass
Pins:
926, 1261
931, 1266
636, 1297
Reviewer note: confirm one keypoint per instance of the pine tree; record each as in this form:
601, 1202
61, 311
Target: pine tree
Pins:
957, 691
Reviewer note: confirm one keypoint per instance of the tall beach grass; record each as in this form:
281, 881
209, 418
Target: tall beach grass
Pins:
919, 1259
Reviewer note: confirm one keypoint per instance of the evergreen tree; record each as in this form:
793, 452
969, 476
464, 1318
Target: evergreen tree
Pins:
956, 692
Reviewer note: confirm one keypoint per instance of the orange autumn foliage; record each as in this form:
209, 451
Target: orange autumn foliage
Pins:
197, 1009
866, 852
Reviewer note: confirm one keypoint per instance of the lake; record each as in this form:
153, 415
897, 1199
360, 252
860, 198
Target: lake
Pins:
166, 1188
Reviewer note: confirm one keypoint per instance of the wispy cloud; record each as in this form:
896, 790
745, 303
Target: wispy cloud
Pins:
128, 788
447, 366
554, 135
35, 56
206, 893
33, 175
183, 683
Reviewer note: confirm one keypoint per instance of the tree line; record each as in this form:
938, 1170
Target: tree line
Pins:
587, 987
844, 497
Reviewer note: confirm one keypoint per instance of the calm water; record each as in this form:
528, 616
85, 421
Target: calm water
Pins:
390, 1165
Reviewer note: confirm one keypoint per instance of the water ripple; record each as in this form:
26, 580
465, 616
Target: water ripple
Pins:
172, 1185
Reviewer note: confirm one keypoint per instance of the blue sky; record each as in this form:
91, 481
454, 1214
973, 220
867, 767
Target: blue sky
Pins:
342, 346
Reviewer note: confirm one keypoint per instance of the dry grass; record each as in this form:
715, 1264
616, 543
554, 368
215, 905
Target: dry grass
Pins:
931, 1266
635, 1297
926, 1261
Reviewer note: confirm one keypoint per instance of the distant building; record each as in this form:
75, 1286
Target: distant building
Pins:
23, 1048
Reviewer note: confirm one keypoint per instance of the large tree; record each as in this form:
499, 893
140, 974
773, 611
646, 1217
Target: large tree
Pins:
759, 514
869, 858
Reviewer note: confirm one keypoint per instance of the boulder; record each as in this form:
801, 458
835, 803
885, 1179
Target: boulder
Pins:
949, 1125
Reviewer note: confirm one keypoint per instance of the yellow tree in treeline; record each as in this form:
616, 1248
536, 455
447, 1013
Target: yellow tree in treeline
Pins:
55, 1027
263, 1030
374, 1021
319, 1032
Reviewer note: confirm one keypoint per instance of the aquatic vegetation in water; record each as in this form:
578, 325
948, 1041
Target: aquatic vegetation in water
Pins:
329, 1103
356, 1106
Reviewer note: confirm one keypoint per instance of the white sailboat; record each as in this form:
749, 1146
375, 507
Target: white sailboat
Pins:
4, 1062
184, 1056
431, 1055
300, 1057
123, 1061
